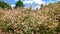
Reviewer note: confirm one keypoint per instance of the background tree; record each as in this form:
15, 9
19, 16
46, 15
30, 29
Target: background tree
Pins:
19, 4
4, 5
42, 5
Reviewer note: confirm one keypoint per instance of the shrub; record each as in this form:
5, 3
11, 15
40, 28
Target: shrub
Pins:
19, 4
4, 5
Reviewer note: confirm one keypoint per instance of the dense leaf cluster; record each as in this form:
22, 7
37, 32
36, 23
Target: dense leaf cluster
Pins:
4, 5
19, 4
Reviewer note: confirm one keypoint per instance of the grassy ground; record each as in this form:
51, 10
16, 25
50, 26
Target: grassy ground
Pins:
27, 21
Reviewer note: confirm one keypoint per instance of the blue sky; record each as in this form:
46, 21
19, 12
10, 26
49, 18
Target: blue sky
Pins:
33, 3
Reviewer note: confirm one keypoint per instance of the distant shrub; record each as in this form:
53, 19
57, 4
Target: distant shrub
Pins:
4, 5
19, 4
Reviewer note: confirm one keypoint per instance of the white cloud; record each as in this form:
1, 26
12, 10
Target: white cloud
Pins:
12, 5
39, 1
37, 7
32, 1
29, 2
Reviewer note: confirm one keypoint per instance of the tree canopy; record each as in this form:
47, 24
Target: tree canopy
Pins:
19, 4
4, 5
